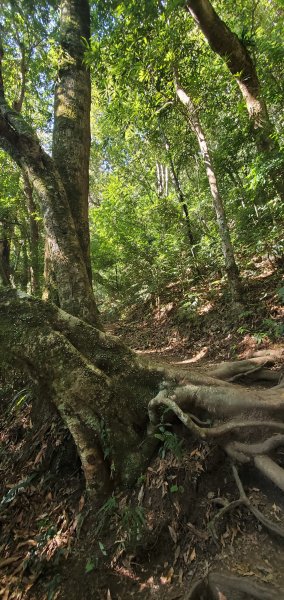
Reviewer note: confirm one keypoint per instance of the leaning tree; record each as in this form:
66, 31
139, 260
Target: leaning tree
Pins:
108, 398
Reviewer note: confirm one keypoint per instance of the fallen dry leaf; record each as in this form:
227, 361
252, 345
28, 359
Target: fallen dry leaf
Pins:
10, 560
173, 534
192, 555
164, 579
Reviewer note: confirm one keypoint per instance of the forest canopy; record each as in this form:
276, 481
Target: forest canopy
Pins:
151, 212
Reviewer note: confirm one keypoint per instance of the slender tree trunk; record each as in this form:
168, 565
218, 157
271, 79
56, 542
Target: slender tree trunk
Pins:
227, 44
182, 200
183, 203
33, 267
33, 237
71, 133
5, 270
231, 268
24, 276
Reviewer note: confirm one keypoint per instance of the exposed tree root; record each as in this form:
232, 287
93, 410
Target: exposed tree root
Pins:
243, 500
218, 401
252, 369
270, 469
254, 449
204, 432
102, 392
220, 586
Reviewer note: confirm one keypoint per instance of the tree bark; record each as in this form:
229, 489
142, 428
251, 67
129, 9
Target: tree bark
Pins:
71, 133
5, 269
231, 268
72, 280
33, 237
106, 395
96, 383
227, 44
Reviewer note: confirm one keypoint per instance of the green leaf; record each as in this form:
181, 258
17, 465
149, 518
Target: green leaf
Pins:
174, 488
89, 566
102, 549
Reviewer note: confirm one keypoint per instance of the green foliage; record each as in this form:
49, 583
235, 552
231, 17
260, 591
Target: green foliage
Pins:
188, 307
170, 442
19, 400
176, 489
133, 522
139, 241
272, 329
269, 328
280, 294
90, 565
106, 511
139, 234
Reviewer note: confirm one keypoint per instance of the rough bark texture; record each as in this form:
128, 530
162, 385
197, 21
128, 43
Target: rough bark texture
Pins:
97, 385
72, 280
106, 396
71, 134
5, 270
227, 247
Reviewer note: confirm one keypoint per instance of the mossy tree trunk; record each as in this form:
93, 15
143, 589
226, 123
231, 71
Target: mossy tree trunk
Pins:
97, 384
70, 271
111, 402
71, 133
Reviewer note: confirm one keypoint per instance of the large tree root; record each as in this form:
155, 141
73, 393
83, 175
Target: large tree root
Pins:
252, 369
102, 392
244, 416
241, 452
221, 586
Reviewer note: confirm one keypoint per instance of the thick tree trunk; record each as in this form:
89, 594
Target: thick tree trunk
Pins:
106, 396
227, 247
227, 44
96, 383
73, 286
71, 133
72, 280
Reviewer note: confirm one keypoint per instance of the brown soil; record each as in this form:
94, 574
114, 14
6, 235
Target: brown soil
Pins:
151, 542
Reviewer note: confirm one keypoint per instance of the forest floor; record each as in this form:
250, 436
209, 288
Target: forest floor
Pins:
154, 541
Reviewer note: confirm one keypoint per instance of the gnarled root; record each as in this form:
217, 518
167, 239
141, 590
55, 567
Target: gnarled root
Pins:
229, 587
252, 369
225, 403
243, 500
241, 414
